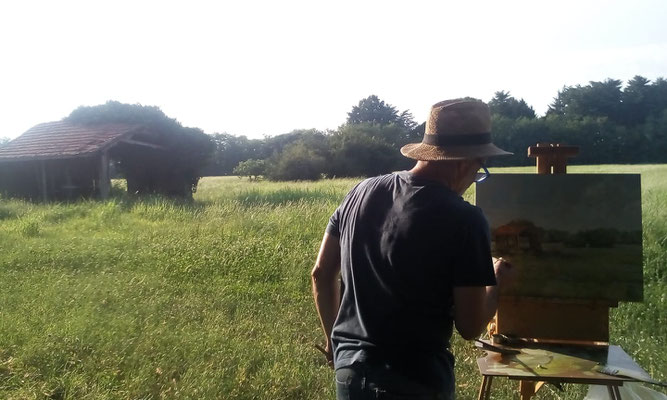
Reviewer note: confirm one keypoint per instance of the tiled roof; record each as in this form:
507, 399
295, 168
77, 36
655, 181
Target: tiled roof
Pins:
62, 139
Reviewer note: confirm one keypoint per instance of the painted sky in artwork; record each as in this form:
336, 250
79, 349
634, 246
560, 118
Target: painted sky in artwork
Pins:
564, 202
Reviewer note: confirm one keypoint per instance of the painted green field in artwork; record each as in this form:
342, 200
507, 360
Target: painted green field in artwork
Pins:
572, 275
152, 299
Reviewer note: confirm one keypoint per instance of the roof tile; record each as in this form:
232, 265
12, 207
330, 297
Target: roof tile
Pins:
62, 139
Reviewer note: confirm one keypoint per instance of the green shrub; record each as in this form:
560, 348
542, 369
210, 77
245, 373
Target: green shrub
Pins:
251, 168
297, 162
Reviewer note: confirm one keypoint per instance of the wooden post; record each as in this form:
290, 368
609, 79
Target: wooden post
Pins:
45, 195
527, 389
485, 389
543, 162
104, 183
552, 157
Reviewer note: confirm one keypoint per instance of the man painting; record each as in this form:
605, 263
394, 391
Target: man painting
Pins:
414, 261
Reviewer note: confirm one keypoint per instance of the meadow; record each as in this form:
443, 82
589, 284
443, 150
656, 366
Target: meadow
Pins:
157, 299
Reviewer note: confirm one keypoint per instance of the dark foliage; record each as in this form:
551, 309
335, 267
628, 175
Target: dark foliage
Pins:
375, 111
230, 150
609, 123
251, 168
602, 238
174, 169
368, 149
297, 161
505, 105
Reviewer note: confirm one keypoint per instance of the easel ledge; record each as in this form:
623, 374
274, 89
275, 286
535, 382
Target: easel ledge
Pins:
566, 364
559, 320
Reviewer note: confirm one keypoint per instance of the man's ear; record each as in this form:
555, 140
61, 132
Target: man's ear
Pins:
464, 168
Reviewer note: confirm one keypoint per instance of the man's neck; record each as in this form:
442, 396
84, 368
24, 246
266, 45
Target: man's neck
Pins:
444, 174
453, 175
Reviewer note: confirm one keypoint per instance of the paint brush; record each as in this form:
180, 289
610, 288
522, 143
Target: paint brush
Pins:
625, 372
489, 347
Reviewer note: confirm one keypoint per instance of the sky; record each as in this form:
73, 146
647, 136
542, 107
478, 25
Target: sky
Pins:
264, 68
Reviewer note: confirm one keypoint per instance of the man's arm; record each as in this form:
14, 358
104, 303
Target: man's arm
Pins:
474, 306
326, 287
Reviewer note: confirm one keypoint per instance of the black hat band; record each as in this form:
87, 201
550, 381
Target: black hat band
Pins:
458, 140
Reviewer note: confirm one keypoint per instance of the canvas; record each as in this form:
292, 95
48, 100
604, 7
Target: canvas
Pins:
575, 236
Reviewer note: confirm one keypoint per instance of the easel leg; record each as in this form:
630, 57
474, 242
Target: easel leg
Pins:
485, 389
614, 392
527, 389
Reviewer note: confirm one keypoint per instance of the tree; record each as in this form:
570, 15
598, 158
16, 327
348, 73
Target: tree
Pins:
251, 168
174, 169
230, 150
375, 111
507, 106
557, 107
597, 99
367, 149
312, 138
392, 135
365, 156
658, 93
654, 132
636, 98
297, 162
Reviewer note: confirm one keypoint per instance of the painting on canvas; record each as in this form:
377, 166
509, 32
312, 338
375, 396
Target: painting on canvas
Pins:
569, 236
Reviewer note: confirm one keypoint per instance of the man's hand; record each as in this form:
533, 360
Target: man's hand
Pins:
327, 353
475, 306
326, 288
505, 272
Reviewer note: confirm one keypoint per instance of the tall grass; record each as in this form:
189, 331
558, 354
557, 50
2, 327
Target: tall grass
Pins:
152, 298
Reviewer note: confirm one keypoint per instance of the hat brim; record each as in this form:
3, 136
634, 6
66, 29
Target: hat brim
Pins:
428, 152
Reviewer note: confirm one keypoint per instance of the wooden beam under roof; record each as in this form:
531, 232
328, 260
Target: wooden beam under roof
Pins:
140, 143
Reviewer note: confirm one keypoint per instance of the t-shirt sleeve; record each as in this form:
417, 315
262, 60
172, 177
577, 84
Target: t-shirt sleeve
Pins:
474, 264
333, 227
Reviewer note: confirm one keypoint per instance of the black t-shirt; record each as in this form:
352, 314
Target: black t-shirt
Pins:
406, 242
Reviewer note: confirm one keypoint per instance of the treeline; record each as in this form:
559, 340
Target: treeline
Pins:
601, 237
366, 144
611, 124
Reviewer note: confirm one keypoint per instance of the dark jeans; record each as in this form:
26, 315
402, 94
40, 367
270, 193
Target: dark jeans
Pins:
365, 382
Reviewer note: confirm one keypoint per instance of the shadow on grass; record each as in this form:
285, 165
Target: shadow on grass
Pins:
6, 213
285, 196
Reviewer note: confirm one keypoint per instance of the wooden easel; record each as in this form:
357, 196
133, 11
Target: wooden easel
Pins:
552, 158
550, 320
582, 321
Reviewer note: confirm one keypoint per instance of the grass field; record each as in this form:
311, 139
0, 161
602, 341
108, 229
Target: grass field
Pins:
152, 299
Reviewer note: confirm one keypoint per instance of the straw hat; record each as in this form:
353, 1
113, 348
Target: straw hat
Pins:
456, 130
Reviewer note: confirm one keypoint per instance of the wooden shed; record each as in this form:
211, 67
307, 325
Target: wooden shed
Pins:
517, 236
61, 161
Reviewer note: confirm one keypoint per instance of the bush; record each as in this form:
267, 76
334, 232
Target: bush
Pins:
251, 168
297, 162
369, 150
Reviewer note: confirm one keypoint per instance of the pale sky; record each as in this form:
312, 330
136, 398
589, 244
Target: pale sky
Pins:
267, 67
